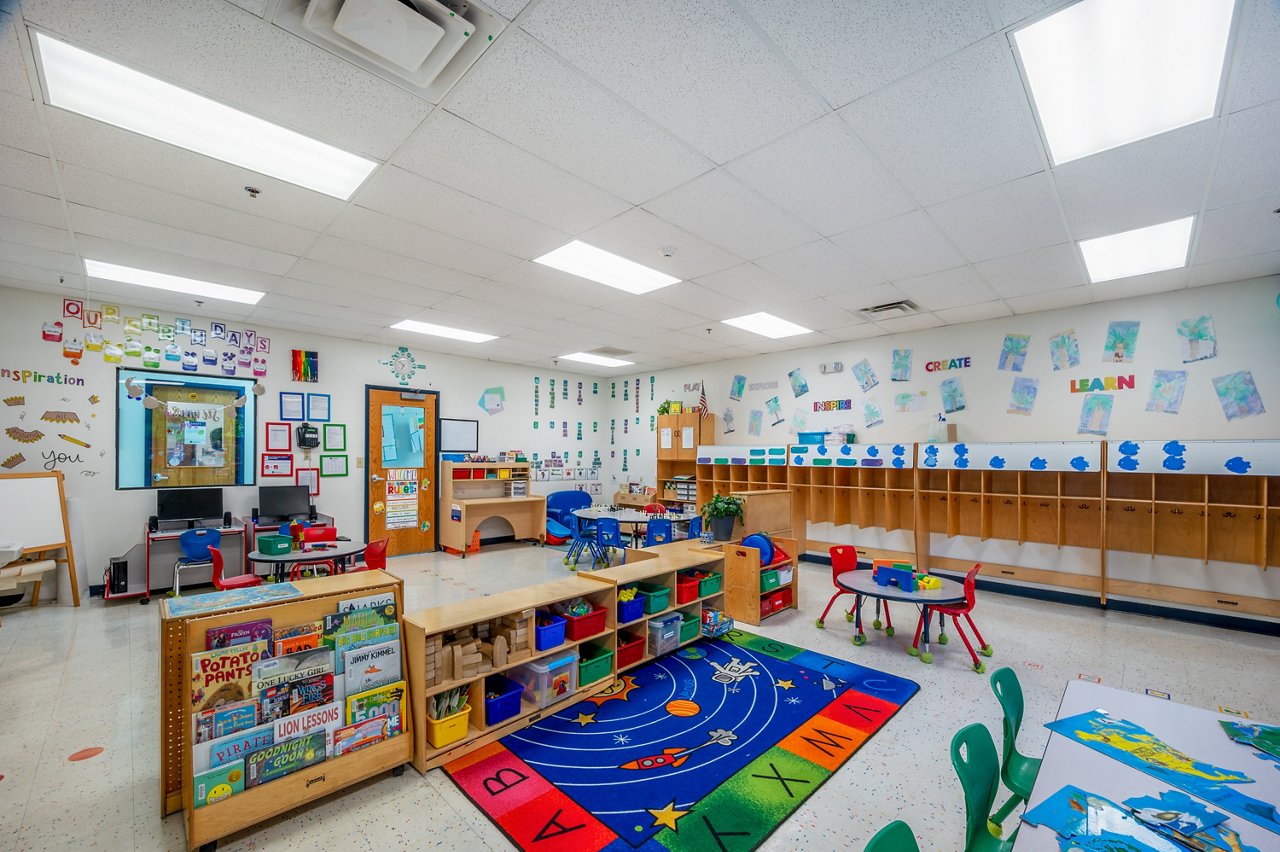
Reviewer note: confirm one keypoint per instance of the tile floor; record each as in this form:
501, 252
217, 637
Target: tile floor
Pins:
77, 678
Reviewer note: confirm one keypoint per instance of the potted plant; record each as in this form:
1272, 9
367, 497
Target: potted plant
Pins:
720, 512
665, 407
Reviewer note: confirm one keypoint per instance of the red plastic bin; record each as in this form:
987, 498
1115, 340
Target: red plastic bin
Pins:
775, 601
584, 626
686, 589
630, 649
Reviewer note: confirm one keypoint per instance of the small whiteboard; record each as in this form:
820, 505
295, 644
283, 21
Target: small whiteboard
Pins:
33, 510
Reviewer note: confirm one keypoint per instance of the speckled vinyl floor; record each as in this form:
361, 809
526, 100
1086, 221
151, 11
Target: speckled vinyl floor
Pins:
72, 679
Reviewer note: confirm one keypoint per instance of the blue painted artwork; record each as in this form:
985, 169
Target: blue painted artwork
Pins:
1174, 463
1127, 463
799, 460
962, 462
1038, 463
822, 449
997, 462
1235, 464
1174, 448
873, 450
899, 450
845, 450
899, 464
1128, 448
930, 456
961, 449
1080, 463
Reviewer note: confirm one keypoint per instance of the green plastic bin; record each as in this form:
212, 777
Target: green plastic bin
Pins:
274, 544
768, 580
596, 663
689, 628
710, 585
656, 598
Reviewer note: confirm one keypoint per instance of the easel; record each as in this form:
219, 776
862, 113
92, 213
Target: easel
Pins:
33, 508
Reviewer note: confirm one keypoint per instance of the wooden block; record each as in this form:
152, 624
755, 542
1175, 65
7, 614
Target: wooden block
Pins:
457, 662
516, 655
485, 668
499, 651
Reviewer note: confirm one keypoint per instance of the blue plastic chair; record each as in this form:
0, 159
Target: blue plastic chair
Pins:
609, 536
195, 546
658, 531
583, 538
695, 527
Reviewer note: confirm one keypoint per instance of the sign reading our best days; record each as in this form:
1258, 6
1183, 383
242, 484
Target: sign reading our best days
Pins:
952, 364
1104, 383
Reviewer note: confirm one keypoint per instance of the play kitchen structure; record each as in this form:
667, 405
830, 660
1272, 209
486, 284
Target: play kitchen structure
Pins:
474, 492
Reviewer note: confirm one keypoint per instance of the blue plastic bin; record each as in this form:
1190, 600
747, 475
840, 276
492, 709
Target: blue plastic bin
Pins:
551, 635
630, 610
507, 702
811, 437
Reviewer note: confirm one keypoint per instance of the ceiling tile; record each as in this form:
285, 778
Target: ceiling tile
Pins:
1053, 268
19, 126
30, 207
471, 321
40, 258
1150, 181
727, 335
1015, 11
361, 258
461, 155
620, 327
38, 278
848, 50
1013, 217
860, 331
1239, 231
958, 126
13, 72
1140, 285
584, 337
1051, 300
287, 316
507, 8
951, 288
867, 297
755, 288
902, 247
24, 170
721, 210
820, 267
528, 96
817, 314
1241, 174
696, 302
724, 95
501, 297
164, 259
659, 313
304, 292
35, 235
1257, 77
424, 202
376, 229
825, 177
687, 340
292, 296
1235, 269
217, 50
257, 7
641, 237
974, 313
163, 301
109, 150
364, 283
569, 291
918, 322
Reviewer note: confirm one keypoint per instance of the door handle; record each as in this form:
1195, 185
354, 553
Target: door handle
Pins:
375, 478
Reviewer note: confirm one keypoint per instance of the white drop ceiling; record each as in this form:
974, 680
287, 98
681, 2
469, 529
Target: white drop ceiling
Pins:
806, 158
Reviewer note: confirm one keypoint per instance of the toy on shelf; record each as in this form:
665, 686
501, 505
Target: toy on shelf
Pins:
574, 607
887, 572
715, 623
627, 593
926, 581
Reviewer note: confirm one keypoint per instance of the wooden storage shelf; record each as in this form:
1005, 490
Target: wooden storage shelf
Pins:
537, 655
742, 570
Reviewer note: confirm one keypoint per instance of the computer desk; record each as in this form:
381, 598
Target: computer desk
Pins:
163, 550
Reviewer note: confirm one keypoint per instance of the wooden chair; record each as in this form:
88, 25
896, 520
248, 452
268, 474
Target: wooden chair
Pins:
221, 583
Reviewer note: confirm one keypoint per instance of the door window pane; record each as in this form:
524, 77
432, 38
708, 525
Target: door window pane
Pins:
402, 436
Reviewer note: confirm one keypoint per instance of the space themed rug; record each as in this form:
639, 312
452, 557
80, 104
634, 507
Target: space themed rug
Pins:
711, 747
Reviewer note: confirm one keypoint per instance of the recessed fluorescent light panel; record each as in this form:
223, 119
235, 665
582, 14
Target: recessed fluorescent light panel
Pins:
578, 258
444, 331
1104, 73
1139, 251
767, 325
172, 283
98, 88
598, 360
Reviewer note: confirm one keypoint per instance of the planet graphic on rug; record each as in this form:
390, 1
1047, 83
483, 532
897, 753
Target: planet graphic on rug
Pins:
683, 708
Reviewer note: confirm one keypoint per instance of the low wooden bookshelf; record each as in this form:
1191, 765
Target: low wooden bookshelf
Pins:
472, 492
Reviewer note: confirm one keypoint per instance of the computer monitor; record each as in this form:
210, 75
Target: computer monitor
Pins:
283, 501
188, 504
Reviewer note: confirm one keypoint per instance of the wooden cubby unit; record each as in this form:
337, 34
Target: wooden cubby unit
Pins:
742, 571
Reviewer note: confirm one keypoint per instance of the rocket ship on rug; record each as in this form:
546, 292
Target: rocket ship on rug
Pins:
673, 757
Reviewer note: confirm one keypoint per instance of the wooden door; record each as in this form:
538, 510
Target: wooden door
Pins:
193, 442
668, 436
401, 490
687, 436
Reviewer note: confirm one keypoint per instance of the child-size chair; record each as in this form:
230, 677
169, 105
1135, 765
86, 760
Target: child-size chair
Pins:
695, 527
375, 556
639, 531
243, 581
1017, 770
973, 754
195, 546
955, 611
897, 836
314, 535
844, 557
657, 531
584, 538
609, 536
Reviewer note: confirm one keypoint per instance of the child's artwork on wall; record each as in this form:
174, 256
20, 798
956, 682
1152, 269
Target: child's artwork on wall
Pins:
1013, 352
1064, 350
799, 387
493, 400
306, 366
1167, 387
865, 375
1238, 395
872, 414
736, 387
901, 366
1197, 340
755, 422
1122, 339
904, 402
799, 420
1022, 397
774, 406
1095, 414
727, 421
952, 395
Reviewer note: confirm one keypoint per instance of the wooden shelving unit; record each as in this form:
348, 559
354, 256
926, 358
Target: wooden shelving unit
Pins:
742, 570
680, 455
471, 492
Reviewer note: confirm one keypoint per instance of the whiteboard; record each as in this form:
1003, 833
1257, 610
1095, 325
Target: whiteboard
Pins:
31, 509
459, 436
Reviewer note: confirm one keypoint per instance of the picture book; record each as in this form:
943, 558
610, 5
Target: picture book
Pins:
294, 644
356, 619
371, 666
279, 759
224, 720
297, 630
290, 667
367, 602
310, 693
344, 642
275, 702
217, 784
231, 599
224, 675
361, 734
220, 752
237, 634
384, 701
327, 719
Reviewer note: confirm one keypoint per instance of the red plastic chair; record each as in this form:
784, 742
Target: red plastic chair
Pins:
956, 611
315, 535
844, 557
375, 556
223, 583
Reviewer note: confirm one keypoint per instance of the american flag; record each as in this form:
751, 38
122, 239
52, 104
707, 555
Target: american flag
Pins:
702, 401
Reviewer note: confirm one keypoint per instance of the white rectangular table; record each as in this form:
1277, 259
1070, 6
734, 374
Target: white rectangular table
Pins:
1189, 729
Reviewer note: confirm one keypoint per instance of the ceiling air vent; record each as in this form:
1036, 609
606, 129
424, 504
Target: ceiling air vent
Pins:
424, 46
889, 310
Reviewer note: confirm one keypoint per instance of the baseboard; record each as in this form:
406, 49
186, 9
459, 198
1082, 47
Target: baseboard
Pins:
1193, 616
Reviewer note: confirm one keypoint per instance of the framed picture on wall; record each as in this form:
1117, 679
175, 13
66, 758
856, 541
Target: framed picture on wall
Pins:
318, 407
333, 465
274, 464
310, 477
279, 438
293, 406
335, 437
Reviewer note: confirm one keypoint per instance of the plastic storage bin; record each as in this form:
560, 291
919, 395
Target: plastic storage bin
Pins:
768, 581
450, 729
585, 625
656, 598
785, 576
548, 637
630, 648
686, 589
811, 437
596, 663
274, 544
710, 585
689, 628
506, 700
664, 633
630, 610
547, 681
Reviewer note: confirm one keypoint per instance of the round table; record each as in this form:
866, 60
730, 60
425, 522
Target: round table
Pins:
336, 550
862, 584
629, 516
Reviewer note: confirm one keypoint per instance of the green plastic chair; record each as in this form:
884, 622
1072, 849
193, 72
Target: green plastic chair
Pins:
1016, 770
979, 771
897, 836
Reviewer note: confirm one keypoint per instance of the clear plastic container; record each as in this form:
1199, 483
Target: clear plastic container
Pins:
548, 680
